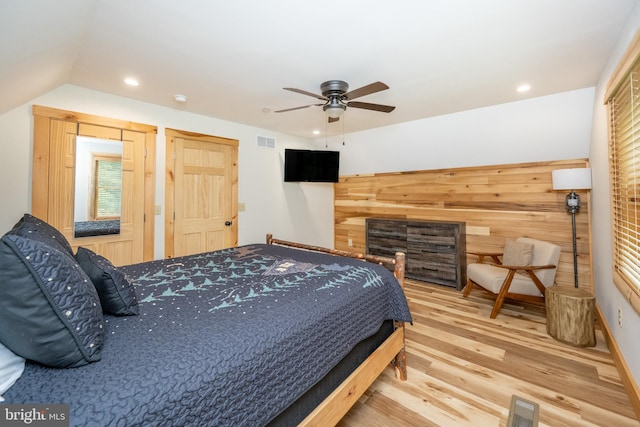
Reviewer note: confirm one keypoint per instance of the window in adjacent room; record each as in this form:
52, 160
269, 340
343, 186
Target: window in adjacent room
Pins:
107, 187
623, 102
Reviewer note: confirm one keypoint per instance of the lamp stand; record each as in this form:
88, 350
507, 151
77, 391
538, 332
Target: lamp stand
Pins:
573, 207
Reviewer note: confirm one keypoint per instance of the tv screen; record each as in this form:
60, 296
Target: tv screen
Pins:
311, 165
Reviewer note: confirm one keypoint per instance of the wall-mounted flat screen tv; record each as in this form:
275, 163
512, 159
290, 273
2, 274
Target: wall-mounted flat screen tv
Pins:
311, 165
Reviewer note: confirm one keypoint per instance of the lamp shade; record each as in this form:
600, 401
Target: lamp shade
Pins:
571, 179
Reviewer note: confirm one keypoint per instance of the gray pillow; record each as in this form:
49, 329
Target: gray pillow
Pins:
517, 253
36, 229
49, 311
117, 295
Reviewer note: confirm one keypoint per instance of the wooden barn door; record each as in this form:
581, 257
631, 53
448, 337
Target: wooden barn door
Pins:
201, 193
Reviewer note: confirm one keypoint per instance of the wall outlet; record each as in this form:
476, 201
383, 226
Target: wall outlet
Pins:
619, 317
350, 242
158, 209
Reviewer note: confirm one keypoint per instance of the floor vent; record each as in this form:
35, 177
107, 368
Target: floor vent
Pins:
523, 413
266, 142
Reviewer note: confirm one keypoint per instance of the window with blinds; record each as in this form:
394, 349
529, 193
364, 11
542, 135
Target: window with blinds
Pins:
624, 162
108, 188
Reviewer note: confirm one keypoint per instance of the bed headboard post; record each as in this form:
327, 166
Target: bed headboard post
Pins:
269, 238
400, 360
398, 270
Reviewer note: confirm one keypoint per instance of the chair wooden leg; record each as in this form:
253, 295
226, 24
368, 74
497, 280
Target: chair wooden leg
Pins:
502, 294
467, 289
496, 307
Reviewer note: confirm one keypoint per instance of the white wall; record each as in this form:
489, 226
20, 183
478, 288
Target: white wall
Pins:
607, 294
301, 212
554, 127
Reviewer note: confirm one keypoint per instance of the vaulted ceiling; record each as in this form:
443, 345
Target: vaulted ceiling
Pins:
232, 59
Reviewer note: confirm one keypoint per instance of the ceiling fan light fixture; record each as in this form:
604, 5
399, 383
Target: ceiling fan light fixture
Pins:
335, 111
334, 108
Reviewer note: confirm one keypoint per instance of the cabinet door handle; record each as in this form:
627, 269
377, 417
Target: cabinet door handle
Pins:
228, 223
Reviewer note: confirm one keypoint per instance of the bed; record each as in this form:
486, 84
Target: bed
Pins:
261, 334
96, 228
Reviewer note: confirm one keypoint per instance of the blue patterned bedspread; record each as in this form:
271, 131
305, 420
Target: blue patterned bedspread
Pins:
227, 338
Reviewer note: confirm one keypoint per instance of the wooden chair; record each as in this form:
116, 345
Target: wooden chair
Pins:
527, 268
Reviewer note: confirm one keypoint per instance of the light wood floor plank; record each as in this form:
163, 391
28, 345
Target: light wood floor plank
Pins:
464, 368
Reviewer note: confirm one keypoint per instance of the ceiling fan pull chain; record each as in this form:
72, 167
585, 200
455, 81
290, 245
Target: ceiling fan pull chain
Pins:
344, 119
326, 134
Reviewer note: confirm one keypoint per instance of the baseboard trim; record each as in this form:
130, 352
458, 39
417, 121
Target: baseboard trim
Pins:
627, 379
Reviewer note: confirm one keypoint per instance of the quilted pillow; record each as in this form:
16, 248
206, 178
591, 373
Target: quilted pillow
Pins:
34, 228
517, 253
117, 295
49, 311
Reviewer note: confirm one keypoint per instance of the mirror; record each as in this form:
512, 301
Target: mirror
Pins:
98, 187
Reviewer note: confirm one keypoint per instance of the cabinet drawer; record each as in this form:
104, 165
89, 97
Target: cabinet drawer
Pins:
447, 259
386, 249
433, 273
439, 246
385, 239
386, 229
446, 236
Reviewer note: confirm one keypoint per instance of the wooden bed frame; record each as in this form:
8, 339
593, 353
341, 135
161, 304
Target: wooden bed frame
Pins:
391, 351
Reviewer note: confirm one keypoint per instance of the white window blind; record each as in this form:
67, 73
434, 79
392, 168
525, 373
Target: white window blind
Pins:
108, 188
624, 159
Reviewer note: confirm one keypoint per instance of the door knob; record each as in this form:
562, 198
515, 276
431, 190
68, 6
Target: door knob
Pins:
228, 223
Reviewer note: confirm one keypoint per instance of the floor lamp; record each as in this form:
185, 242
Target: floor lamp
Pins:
572, 179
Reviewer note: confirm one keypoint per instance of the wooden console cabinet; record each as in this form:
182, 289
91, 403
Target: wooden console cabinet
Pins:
435, 250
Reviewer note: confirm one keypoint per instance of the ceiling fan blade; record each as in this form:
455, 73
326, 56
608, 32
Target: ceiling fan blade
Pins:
304, 92
366, 90
297, 108
368, 106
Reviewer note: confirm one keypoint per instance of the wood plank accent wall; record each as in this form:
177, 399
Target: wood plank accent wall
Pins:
496, 202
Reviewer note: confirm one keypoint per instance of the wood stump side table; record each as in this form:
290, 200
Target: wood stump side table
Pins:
571, 315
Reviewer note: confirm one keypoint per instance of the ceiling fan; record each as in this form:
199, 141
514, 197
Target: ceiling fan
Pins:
337, 99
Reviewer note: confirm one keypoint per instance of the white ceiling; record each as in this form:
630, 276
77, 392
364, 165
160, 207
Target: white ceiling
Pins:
232, 58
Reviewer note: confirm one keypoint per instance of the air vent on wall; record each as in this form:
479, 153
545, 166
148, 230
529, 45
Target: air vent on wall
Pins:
266, 142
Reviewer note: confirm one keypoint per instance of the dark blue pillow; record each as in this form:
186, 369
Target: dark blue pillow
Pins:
34, 228
49, 311
117, 295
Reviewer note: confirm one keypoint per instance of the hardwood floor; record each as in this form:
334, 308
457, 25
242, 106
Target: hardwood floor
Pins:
464, 369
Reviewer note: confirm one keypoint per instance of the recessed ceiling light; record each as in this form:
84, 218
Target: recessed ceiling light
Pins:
131, 81
316, 132
523, 88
